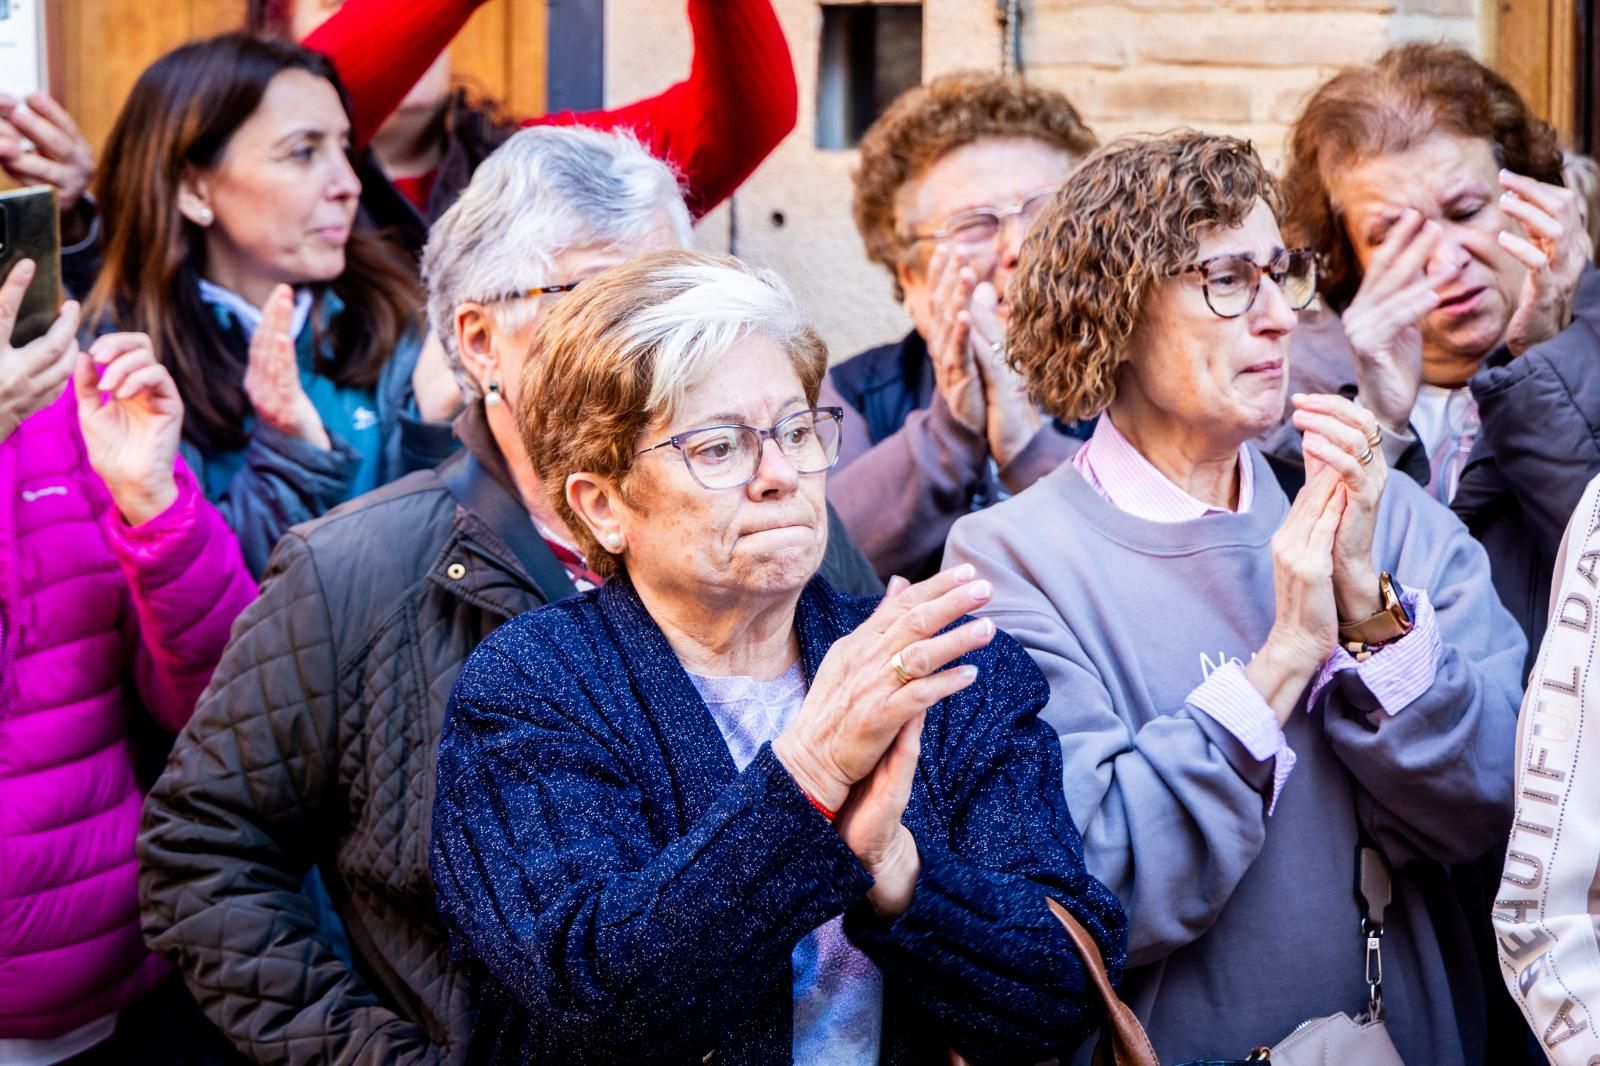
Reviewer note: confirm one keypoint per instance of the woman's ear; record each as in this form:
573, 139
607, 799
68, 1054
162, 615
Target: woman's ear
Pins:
194, 198
475, 342
600, 507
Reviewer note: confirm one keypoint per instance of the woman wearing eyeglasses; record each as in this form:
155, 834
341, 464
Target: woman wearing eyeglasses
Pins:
715, 810
951, 177
1251, 666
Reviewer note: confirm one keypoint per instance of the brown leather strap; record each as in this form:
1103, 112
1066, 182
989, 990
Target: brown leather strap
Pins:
1122, 1040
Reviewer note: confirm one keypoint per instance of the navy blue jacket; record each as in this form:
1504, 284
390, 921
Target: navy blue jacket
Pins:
626, 895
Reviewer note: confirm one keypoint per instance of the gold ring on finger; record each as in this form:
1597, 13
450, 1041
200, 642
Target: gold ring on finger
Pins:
1365, 457
901, 674
1375, 438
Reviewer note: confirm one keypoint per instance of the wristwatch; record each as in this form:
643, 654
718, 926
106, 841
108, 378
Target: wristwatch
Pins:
1391, 622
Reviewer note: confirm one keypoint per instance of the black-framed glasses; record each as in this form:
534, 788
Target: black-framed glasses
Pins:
982, 225
726, 457
1230, 282
537, 290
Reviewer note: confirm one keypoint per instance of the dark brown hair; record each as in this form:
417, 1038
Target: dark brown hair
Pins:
182, 112
1130, 216
930, 121
1386, 107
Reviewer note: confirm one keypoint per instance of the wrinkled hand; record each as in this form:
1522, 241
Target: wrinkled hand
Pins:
1384, 322
32, 377
1337, 434
1554, 246
272, 378
132, 419
1306, 628
434, 384
60, 156
955, 371
869, 823
1010, 418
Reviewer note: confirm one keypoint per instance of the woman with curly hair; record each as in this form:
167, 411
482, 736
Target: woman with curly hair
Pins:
936, 424
1459, 267
1252, 667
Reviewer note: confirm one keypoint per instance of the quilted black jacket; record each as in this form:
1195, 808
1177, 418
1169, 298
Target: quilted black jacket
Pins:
315, 745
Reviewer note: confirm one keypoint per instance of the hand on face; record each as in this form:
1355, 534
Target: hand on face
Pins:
853, 744
132, 419
1337, 437
950, 344
59, 157
31, 377
1553, 246
1010, 418
272, 378
1384, 321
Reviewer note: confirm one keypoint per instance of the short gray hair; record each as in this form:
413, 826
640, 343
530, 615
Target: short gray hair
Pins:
547, 189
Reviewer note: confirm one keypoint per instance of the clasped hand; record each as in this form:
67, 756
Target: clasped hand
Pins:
854, 745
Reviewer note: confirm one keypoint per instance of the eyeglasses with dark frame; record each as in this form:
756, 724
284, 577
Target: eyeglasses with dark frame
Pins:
728, 457
1230, 282
981, 225
537, 290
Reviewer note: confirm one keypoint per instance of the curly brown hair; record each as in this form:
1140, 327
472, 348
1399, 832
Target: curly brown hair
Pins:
614, 356
1388, 106
925, 123
1130, 216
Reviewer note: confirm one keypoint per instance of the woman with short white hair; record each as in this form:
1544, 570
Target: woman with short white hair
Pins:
715, 807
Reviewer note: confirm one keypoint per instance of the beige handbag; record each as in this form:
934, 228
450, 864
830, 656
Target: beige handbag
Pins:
1334, 1040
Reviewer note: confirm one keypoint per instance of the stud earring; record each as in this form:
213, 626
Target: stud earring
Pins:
205, 216
614, 541
493, 399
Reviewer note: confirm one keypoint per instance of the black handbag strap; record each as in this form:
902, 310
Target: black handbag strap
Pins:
476, 490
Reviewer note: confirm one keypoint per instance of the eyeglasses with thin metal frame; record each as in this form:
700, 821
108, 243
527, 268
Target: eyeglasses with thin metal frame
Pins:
728, 457
981, 225
1230, 282
537, 290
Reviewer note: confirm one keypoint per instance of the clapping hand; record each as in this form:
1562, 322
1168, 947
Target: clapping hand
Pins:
60, 156
132, 419
956, 375
32, 377
854, 745
1554, 246
1011, 419
1341, 437
272, 379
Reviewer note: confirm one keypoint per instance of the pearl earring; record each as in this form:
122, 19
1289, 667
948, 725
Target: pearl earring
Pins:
614, 541
205, 216
493, 399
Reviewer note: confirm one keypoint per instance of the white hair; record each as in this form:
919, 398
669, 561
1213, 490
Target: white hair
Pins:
547, 189
697, 310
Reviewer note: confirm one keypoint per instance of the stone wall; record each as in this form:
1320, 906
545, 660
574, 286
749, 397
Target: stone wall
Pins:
1240, 66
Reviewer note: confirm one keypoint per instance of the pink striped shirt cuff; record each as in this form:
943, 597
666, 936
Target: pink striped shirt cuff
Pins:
1396, 673
1230, 700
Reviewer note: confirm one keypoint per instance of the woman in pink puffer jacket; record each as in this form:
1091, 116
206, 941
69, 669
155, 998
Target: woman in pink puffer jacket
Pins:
118, 587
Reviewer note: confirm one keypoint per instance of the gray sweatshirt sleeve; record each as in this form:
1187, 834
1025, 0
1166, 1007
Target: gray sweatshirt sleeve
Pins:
1173, 813
1437, 774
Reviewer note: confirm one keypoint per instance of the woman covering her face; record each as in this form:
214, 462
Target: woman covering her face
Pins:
229, 206
1459, 266
1244, 684
715, 807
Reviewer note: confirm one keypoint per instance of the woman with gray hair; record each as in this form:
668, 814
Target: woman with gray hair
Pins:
314, 746
715, 807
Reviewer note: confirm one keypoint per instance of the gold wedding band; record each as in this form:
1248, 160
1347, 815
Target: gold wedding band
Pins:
1375, 438
901, 674
1366, 458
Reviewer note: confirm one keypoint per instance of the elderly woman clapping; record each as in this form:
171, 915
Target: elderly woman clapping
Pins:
714, 806
1244, 686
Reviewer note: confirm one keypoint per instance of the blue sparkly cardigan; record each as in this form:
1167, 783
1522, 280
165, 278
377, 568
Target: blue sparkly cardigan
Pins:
623, 894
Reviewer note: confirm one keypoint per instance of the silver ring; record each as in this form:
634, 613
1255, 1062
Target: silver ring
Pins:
901, 674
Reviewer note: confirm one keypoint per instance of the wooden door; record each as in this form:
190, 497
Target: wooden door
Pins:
101, 46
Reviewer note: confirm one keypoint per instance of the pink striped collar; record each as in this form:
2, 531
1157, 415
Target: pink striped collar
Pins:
1117, 471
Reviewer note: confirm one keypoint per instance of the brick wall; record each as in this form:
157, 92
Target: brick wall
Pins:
1240, 66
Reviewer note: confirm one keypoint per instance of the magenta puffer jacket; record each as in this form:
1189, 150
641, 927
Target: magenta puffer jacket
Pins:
98, 622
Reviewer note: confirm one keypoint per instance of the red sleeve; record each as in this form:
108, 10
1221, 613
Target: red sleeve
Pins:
738, 102
381, 48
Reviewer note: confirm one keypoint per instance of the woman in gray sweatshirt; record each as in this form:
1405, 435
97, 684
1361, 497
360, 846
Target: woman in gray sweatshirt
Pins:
1244, 686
